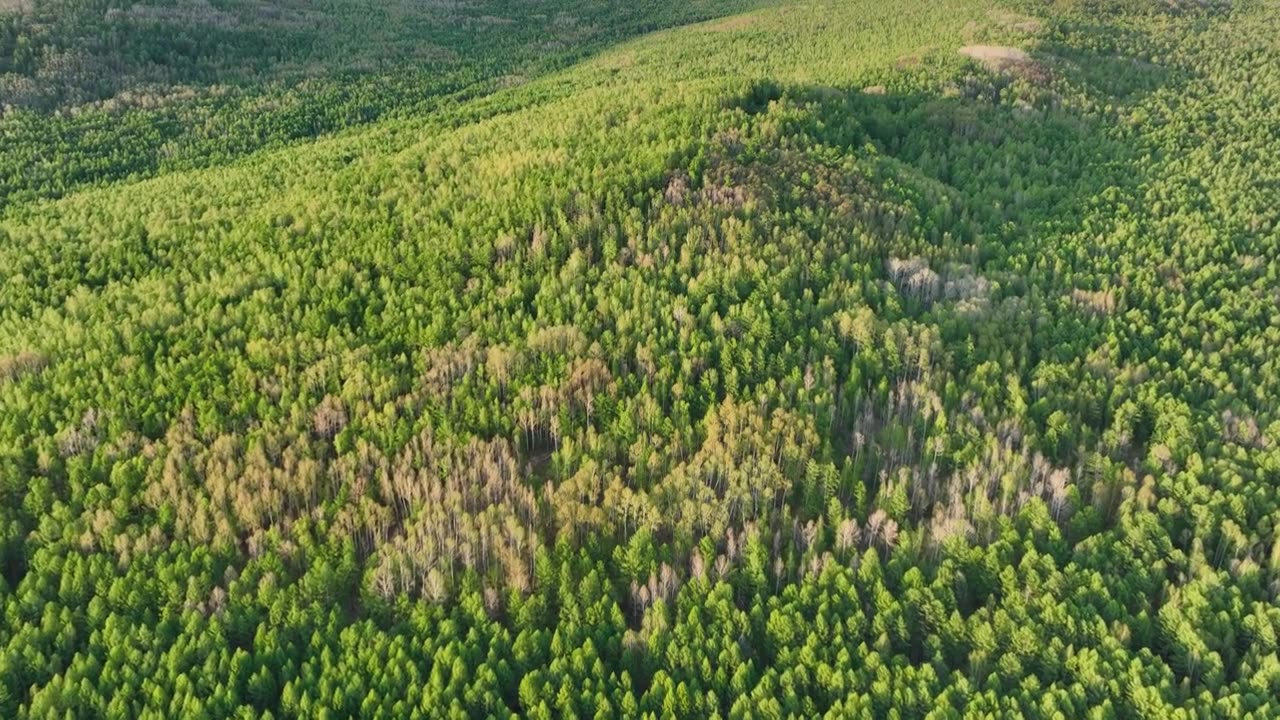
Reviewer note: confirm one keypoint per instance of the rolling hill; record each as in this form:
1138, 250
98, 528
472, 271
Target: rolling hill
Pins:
845, 359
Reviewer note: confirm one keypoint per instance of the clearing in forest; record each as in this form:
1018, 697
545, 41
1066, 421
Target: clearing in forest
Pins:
996, 57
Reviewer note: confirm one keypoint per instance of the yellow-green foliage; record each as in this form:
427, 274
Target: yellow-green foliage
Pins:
828, 359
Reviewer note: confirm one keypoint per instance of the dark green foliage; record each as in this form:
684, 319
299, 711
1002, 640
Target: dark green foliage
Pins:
791, 364
94, 91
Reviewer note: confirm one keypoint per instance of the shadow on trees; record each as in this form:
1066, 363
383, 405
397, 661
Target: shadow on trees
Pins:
1007, 171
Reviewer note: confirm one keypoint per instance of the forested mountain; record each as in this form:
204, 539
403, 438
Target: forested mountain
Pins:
827, 359
93, 91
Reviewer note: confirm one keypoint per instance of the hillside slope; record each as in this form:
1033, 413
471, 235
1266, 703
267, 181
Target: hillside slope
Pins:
95, 91
832, 358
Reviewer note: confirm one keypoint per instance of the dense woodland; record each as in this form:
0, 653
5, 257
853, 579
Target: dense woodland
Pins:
94, 91
845, 359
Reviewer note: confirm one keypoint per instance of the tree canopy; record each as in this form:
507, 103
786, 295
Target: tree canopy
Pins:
846, 359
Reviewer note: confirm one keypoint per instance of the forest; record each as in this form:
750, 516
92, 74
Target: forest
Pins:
721, 359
